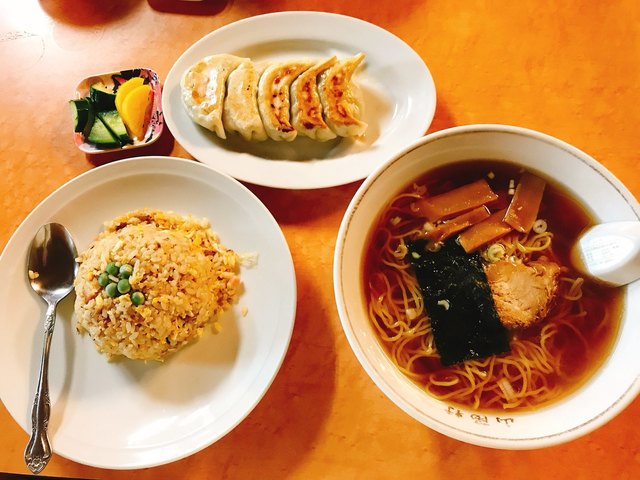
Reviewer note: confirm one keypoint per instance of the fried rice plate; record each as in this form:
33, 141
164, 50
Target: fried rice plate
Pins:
184, 276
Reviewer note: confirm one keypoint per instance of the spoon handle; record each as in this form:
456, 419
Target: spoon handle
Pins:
38, 451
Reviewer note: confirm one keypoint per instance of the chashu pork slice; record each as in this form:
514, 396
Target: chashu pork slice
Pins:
523, 294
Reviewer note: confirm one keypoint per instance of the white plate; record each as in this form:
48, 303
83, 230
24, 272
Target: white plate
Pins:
129, 414
399, 96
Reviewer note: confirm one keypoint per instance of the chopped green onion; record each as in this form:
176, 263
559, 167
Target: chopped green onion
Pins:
539, 226
444, 304
496, 252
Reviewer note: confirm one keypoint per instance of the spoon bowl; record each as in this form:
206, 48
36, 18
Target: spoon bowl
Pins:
51, 269
609, 253
52, 260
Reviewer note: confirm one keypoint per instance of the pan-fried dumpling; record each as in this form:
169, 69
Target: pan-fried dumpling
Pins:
306, 109
274, 101
204, 87
340, 105
240, 113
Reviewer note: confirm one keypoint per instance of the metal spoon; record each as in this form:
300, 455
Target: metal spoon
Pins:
51, 271
609, 253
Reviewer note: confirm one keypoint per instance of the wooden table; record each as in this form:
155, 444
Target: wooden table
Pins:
569, 69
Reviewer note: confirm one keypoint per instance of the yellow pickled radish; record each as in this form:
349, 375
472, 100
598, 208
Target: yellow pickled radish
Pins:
134, 110
125, 88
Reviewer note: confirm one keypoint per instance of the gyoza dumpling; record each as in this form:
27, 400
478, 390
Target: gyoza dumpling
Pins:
340, 105
274, 101
204, 87
240, 113
306, 109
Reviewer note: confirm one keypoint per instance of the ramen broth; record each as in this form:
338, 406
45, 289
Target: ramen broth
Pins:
579, 335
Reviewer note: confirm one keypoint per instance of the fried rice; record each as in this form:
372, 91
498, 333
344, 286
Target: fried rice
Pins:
185, 277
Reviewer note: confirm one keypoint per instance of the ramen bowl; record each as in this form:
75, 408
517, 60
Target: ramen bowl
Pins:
606, 391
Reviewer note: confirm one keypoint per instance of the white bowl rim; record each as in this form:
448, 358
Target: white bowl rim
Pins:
592, 423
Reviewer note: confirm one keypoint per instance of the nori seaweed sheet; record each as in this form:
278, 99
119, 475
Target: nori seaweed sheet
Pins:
465, 324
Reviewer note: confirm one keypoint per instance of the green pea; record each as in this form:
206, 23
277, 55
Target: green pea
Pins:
111, 290
103, 279
126, 270
137, 298
123, 285
112, 268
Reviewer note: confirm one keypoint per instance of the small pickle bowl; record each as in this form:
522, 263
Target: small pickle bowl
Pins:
153, 120
614, 381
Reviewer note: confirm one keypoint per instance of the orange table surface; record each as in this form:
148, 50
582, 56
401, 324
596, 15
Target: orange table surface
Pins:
570, 69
